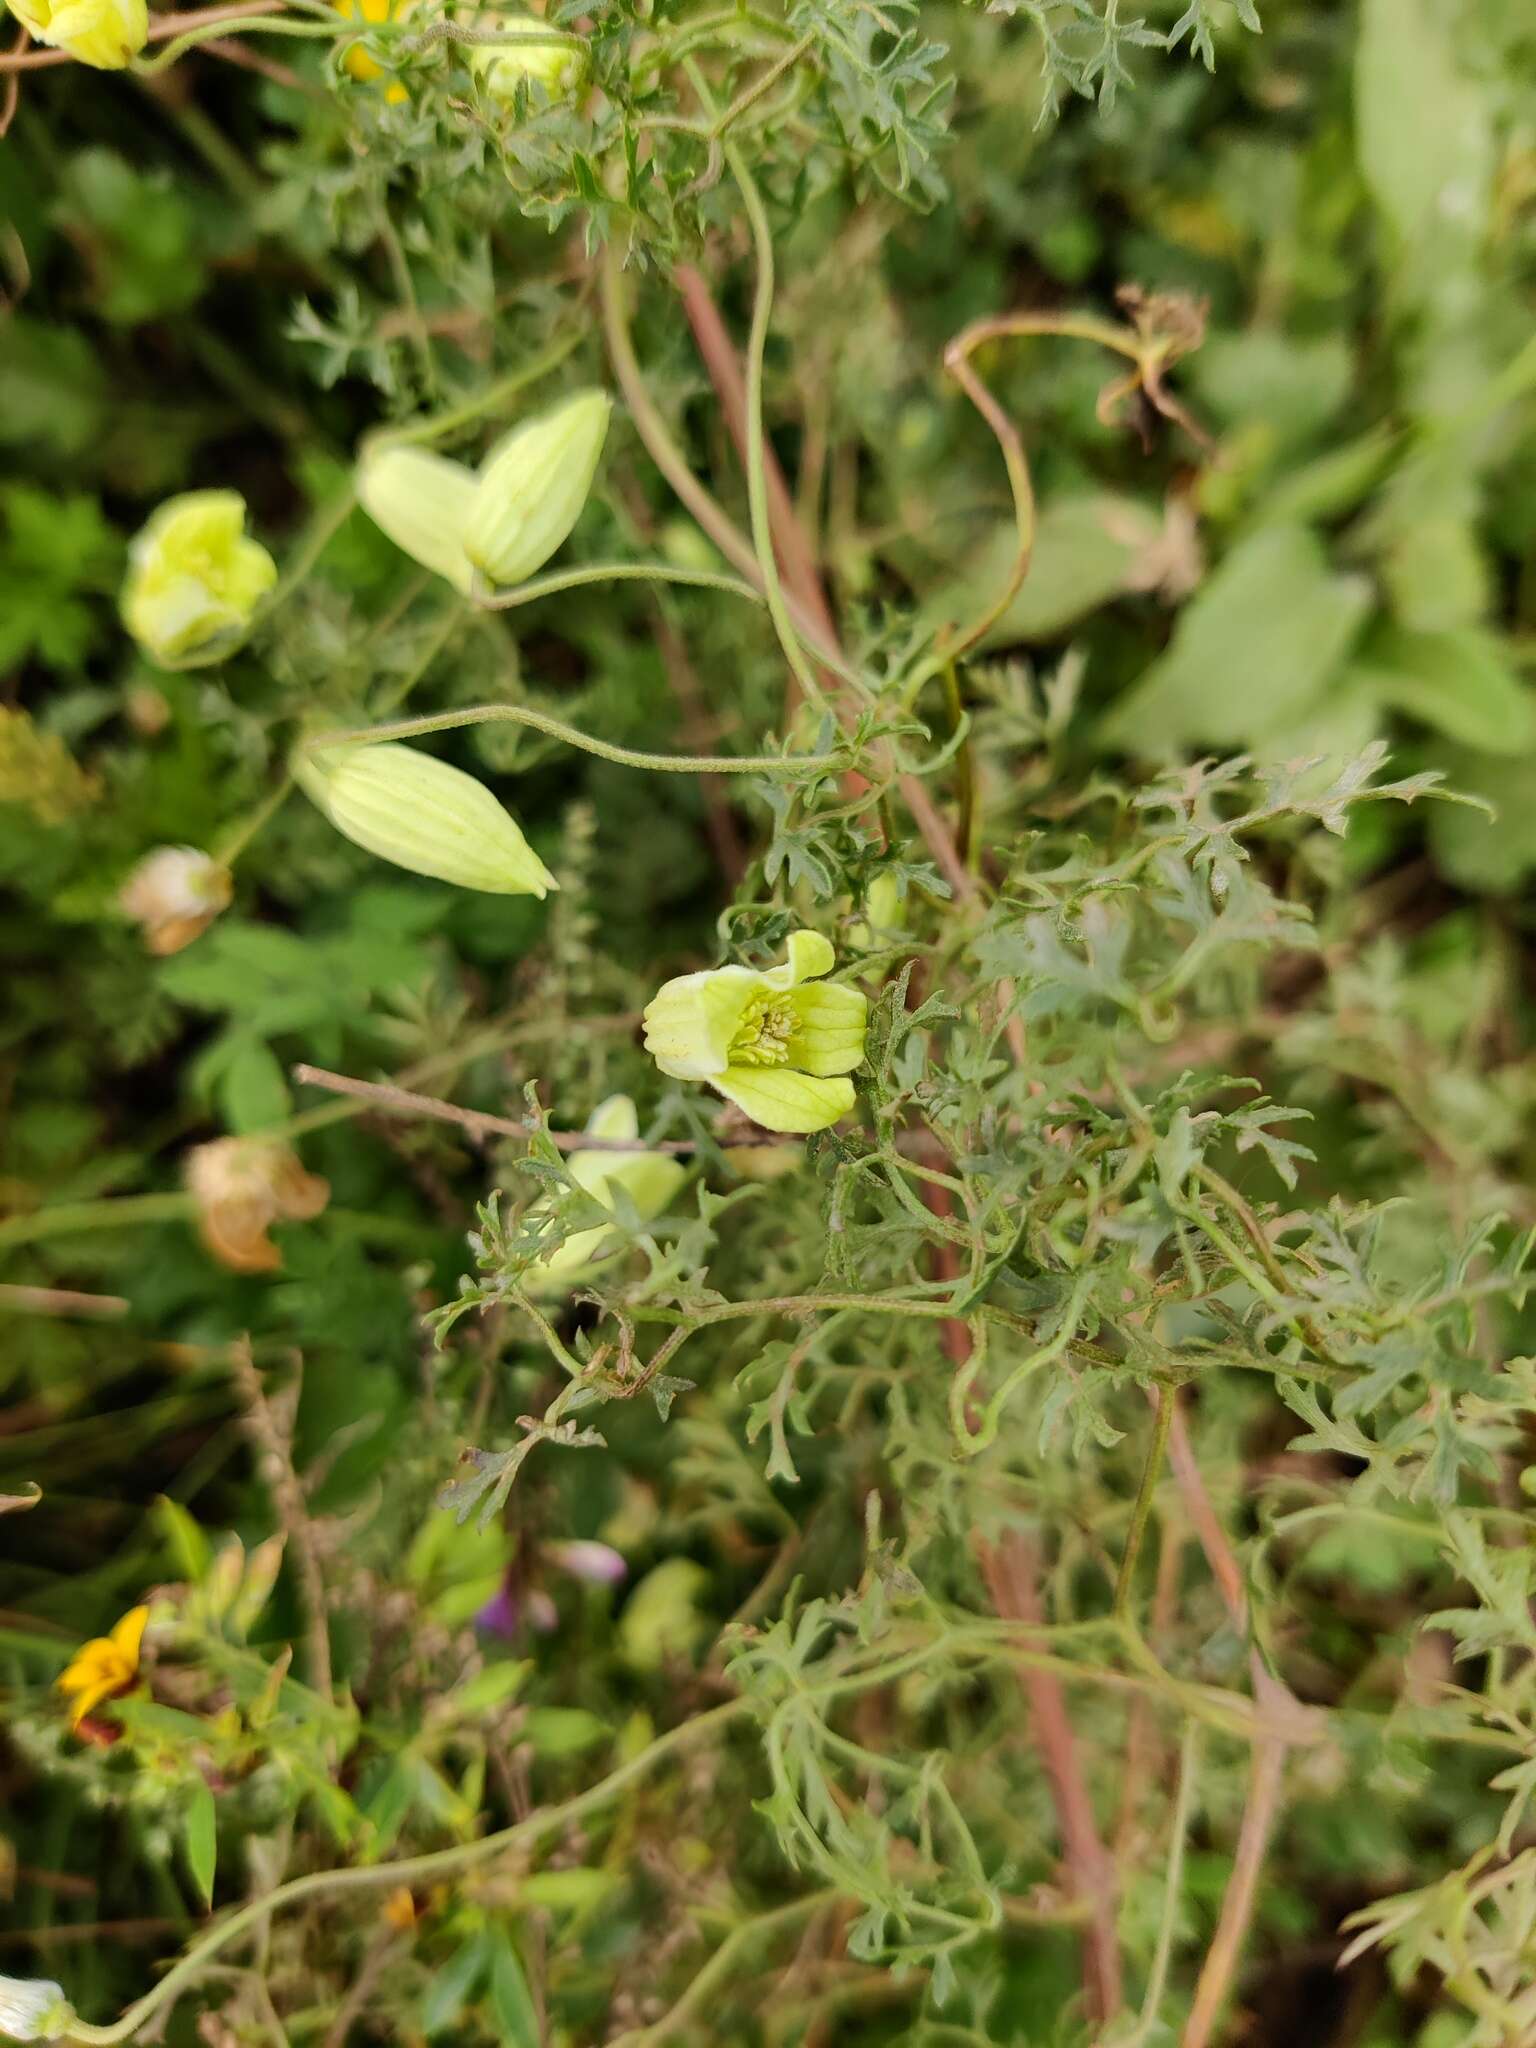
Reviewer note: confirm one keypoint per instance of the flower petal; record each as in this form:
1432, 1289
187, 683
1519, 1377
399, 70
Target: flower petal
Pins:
829, 1028
781, 1100
128, 1636
691, 1020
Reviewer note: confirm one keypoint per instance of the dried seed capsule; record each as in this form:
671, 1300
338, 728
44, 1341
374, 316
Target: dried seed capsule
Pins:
412, 809
421, 501
532, 487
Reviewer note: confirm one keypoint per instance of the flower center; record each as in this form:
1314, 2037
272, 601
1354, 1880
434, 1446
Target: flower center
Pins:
762, 1037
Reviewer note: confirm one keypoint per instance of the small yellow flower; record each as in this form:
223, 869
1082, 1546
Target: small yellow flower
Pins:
104, 34
357, 60
194, 579
650, 1179
771, 1043
103, 1667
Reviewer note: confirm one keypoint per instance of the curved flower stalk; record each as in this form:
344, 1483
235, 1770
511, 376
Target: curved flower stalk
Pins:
648, 1179
194, 579
422, 814
105, 34
777, 1044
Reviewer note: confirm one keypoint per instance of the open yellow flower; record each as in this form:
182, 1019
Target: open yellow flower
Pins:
776, 1043
103, 1667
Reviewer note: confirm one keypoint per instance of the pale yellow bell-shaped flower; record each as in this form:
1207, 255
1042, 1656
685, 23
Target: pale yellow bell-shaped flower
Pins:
532, 487
777, 1044
422, 502
649, 1179
194, 579
105, 34
34, 2009
422, 814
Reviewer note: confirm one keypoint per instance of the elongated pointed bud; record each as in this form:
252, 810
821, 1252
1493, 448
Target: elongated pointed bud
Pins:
532, 487
105, 34
412, 809
421, 501
558, 64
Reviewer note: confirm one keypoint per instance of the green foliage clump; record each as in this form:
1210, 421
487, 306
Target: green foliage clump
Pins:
1044, 1556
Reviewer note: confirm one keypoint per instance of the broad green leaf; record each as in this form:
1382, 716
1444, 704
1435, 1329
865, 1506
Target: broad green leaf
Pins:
1422, 131
563, 1731
1459, 683
1475, 850
1254, 651
1085, 549
202, 1839
454, 1985
510, 1996
253, 1091
569, 1891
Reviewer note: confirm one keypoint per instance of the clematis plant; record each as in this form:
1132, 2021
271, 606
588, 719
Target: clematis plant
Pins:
648, 1179
779, 1044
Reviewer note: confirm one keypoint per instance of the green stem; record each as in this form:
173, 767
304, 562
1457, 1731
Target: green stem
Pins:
239, 836
617, 572
214, 31
1141, 1512
113, 1212
407, 1870
757, 474
626, 757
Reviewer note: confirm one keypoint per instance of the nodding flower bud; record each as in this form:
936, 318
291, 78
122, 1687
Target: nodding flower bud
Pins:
777, 1044
412, 809
105, 34
194, 579
532, 487
557, 62
649, 1179
421, 501
34, 2009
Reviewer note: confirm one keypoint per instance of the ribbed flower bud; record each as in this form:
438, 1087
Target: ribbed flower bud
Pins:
175, 893
558, 65
532, 487
421, 501
34, 2009
105, 34
194, 579
422, 814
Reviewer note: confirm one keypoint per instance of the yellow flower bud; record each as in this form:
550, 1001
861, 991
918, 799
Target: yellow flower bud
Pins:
105, 34
771, 1043
532, 487
194, 579
421, 501
34, 2009
422, 814
559, 65
649, 1179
